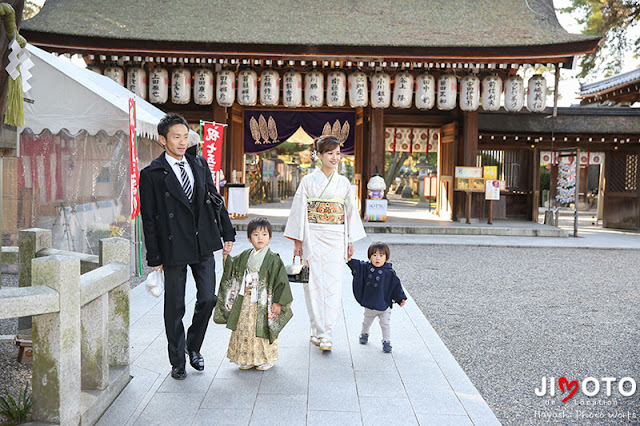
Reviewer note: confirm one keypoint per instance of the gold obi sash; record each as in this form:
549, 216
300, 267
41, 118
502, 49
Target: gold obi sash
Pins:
327, 211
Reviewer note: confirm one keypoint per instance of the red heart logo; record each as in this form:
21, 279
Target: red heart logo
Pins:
571, 385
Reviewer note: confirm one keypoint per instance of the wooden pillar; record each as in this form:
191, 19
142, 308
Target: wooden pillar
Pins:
535, 164
376, 143
470, 138
236, 144
359, 158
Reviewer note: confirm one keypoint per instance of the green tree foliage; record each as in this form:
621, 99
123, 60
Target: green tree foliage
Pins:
31, 9
609, 19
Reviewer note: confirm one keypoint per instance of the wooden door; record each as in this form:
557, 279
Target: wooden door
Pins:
622, 190
446, 169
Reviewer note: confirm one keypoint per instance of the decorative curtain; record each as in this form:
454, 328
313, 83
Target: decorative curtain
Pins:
265, 129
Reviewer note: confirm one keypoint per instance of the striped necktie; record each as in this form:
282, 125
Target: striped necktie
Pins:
186, 184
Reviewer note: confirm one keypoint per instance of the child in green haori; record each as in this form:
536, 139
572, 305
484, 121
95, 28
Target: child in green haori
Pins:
254, 300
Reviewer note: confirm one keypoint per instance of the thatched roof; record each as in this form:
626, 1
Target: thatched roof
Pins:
368, 23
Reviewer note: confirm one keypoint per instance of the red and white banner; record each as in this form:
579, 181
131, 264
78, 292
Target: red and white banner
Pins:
212, 136
133, 160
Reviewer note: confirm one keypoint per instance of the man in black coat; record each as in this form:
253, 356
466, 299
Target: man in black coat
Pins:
181, 210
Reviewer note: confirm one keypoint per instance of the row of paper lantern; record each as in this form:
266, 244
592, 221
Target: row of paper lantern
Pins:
429, 92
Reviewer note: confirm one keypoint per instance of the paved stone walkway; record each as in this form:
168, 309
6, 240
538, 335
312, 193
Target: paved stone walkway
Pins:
420, 383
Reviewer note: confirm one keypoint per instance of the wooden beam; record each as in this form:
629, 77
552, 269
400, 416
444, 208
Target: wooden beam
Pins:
376, 143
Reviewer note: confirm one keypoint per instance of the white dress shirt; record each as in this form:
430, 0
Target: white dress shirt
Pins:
176, 169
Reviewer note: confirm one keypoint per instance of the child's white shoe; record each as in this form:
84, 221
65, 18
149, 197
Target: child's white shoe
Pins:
264, 367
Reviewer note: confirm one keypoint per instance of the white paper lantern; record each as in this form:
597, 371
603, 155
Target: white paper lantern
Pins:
380, 90
292, 89
358, 96
545, 157
269, 88
513, 94
336, 89
425, 91
537, 93
403, 90
447, 91
137, 81
95, 69
158, 86
314, 89
203, 86
491, 92
180, 86
247, 88
226, 88
469, 93
116, 74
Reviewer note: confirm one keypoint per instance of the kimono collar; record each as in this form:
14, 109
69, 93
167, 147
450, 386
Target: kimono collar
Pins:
256, 258
319, 170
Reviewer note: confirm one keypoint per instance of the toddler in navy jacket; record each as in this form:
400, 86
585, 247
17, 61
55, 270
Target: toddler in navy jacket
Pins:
376, 287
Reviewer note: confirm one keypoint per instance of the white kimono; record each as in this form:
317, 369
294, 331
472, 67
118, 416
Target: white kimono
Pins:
324, 246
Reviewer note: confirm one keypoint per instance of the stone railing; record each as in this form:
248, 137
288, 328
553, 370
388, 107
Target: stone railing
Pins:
79, 307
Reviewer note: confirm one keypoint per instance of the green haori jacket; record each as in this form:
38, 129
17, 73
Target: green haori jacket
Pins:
273, 288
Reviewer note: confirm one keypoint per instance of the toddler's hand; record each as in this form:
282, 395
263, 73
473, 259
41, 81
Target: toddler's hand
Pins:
403, 302
275, 308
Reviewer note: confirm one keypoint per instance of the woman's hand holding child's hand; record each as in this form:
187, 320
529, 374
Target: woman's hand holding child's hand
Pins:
275, 308
349, 251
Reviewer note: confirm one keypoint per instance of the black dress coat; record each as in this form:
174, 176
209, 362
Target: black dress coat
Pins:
178, 232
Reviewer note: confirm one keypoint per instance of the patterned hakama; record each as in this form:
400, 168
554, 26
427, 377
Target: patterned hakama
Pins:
244, 347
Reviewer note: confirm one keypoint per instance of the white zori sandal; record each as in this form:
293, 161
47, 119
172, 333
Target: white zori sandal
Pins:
264, 367
325, 344
315, 340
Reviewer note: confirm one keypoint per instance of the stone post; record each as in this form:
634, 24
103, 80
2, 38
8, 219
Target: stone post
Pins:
95, 338
56, 343
30, 241
117, 250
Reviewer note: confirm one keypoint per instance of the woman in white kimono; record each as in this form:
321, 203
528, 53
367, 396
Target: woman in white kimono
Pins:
324, 222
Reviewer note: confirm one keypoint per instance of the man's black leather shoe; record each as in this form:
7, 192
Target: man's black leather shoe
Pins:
196, 360
178, 373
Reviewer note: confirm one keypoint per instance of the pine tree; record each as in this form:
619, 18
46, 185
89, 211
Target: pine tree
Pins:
566, 181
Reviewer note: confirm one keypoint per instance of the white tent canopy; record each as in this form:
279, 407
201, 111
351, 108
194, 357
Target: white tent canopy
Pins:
66, 96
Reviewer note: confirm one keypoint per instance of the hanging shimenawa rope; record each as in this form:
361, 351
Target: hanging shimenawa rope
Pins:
14, 114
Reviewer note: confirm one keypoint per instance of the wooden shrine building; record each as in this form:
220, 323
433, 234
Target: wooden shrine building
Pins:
368, 66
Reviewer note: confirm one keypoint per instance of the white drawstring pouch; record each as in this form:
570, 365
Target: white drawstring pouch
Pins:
155, 283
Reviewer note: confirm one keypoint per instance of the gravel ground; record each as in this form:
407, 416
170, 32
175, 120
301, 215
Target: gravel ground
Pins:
512, 316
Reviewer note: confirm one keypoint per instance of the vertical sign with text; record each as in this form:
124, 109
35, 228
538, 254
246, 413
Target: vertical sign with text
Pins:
212, 134
133, 160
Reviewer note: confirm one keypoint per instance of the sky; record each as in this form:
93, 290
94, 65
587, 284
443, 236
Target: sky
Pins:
570, 85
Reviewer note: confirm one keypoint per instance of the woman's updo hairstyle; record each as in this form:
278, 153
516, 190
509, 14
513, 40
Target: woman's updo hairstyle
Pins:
325, 144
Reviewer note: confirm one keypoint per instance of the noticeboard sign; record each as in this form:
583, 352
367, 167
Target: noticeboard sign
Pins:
469, 172
492, 190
